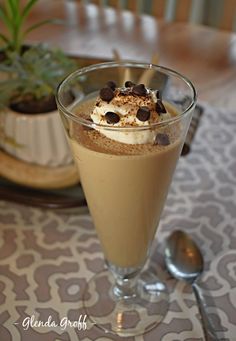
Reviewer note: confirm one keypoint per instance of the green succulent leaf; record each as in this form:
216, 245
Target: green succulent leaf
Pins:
5, 19
10, 8
35, 74
4, 38
28, 8
41, 23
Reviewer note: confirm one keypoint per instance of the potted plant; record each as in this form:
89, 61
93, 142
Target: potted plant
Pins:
30, 127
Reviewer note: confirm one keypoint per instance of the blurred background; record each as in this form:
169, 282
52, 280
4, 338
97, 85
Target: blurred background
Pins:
215, 13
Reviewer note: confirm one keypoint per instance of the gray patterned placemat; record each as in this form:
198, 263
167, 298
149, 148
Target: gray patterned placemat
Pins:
47, 257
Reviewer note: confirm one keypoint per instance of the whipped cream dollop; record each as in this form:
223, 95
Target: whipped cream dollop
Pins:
130, 106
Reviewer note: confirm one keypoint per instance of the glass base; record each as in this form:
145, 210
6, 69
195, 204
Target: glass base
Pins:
125, 316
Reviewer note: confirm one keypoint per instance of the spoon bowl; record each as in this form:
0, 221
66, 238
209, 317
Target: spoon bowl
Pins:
183, 257
184, 261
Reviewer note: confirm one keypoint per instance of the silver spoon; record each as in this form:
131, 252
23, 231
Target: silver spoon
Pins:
185, 262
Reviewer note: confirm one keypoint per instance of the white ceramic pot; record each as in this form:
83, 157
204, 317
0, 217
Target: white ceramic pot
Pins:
35, 138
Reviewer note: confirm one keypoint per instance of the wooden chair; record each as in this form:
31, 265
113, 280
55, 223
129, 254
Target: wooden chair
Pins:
169, 9
195, 11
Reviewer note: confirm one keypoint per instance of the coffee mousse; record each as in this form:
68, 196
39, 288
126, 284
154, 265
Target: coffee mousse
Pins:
126, 161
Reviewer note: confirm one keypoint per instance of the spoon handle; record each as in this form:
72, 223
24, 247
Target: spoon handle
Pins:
208, 329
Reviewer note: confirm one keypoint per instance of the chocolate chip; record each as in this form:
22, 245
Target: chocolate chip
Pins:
123, 93
143, 114
160, 108
158, 94
139, 90
106, 94
129, 84
111, 84
112, 117
162, 139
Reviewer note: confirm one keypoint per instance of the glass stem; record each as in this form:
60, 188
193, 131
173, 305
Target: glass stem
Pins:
125, 287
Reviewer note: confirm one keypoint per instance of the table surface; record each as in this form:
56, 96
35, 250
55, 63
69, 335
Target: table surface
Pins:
46, 257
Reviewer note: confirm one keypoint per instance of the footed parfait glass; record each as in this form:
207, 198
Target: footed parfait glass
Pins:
125, 186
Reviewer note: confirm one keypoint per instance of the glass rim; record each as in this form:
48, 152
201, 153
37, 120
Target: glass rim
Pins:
94, 67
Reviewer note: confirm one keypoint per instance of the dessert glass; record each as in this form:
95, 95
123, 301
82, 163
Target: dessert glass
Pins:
125, 187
